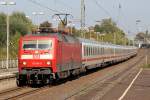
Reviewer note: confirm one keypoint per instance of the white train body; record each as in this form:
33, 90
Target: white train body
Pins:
98, 53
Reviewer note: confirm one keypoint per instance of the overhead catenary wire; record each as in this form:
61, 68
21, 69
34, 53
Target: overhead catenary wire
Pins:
66, 6
121, 17
43, 6
63, 3
101, 7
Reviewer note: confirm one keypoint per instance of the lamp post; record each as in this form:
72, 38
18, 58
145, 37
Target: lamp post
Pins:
7, 4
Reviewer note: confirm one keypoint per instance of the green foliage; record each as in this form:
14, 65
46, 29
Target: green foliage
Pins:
45, 27
2, 52
77, 33
14, 45
146, 66
107, 26
19, 25
46, 24
2, 29
2, 38
141, 36
109, 30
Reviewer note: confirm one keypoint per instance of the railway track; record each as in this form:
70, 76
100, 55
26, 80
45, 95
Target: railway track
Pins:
117, 77
9, 90
18, 93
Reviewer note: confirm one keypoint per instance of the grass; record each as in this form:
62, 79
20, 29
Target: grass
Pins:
3, 53
146, 66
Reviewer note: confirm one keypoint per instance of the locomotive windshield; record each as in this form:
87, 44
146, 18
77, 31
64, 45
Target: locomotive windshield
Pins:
37, 44
44, 44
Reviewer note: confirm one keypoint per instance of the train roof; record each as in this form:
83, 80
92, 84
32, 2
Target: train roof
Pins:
104, 44
59, 36
72, 39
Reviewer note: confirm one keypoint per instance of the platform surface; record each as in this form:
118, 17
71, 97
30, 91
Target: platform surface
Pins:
138, 90
7, 73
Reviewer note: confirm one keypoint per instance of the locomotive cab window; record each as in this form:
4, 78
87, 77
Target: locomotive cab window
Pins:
37, 44
44, 44
29, 45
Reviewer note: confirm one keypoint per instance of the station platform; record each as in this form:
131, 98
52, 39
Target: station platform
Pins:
140, 89
135, 87
8, 73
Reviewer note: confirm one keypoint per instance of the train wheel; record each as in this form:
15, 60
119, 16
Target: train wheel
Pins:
51, 80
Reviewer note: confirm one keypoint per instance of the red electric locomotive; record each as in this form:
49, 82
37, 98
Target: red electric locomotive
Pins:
44, 58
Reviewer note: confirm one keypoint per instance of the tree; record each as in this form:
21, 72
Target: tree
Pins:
14, 44
107, 26
2, 29
109, 30
46, 24
140, 36
46, 27
19, 23
97, 28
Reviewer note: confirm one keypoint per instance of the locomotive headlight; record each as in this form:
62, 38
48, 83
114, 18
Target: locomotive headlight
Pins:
24, 63
48, 62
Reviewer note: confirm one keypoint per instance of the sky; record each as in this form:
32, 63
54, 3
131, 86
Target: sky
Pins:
123, 12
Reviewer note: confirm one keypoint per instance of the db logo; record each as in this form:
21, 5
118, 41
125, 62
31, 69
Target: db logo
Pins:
36, 56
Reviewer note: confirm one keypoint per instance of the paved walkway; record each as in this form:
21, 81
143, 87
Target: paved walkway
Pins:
134, 87
7, 73
140, 89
